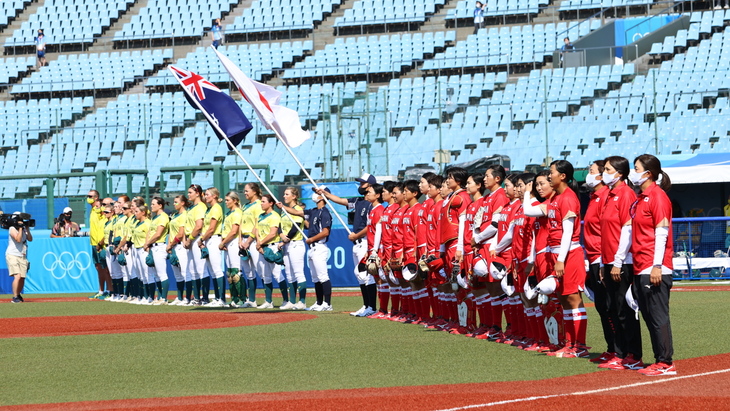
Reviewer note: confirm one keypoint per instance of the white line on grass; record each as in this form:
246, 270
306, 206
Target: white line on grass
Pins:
620, 387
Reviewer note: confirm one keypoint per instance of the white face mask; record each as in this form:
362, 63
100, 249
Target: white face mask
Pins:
592, 181
636, 178
610, 179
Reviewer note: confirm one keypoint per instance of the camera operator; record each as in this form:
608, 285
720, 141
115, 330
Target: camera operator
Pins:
64, 227
16, 256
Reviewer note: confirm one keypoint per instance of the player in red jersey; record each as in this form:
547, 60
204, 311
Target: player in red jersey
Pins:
411, 276
485, 237
422, 234
478, 290
397, 257
652, 248
436, 274
390, 289
374, 237
452, 228
523, 257
534, 204
563, 214
618, 270
502, 253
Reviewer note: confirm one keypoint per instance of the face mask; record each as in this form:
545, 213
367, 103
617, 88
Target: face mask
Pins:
609, 179
636, 178
90, 200
592, 181
362, 190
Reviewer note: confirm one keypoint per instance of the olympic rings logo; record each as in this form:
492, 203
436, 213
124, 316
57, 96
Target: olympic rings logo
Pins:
66, 264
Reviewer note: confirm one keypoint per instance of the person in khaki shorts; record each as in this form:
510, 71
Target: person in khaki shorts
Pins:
16, 257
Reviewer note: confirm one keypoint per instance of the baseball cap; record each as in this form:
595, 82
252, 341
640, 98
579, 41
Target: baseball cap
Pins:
68, 210
316, 197
367, 178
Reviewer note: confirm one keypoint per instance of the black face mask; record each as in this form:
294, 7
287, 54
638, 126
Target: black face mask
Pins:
362, 190
67, 217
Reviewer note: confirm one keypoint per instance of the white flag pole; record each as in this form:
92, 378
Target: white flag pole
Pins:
214, 124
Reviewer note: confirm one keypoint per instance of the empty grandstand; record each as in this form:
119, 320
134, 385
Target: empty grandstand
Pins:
382, 85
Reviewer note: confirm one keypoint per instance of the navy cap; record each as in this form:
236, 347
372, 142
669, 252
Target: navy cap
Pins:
367, 178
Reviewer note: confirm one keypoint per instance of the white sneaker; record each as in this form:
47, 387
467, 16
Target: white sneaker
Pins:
156, 301
163, 302
368, 312
265, 305
176, 301
233, 304
300, 306
132, 300
186, 303
324, 307
250, 304
287, 306
147, 301
314, 307
216, 304
358, 312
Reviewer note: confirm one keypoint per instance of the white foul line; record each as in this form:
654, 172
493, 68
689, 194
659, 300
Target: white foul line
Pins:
620, 387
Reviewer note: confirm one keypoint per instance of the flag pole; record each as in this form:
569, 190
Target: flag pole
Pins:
214, 124
306, 173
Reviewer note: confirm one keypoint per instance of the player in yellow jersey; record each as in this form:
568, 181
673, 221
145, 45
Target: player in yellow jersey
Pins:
155, 244
210, 239
196, 214
229, 244
176, 235
139, 254
111, 214
292, 242
267, 237
247, 243
96, 234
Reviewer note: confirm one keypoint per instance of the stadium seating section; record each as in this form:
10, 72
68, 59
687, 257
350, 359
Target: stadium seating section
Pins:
379, 103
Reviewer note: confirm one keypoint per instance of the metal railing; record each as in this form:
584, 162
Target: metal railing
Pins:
700, 248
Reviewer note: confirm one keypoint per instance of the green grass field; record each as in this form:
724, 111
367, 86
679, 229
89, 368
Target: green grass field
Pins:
331, 351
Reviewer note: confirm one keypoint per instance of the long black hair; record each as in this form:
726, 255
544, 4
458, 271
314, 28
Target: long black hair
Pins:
565, 167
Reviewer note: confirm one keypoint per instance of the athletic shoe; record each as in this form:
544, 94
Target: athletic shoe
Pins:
15, 300
147, 301
176, 301
581, 351
250, 304
603, 358
104, 295
535, 346
378, 315
616, 363
20, 297
196, 303
163, 302
186, 303
287, 306
217, 303
314, 307
658, 369
494, 334
459, 331
631, 363
156, 301
368, 312
95, 296
233, 304
265, 305
325, 307
481, 330
565, 352
358, 312
300, 306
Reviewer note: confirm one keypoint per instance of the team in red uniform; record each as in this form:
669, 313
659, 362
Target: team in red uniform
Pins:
462, 259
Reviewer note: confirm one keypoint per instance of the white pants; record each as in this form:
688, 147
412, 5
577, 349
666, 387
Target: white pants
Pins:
197, 264
146, 273
249, 266
130, 270
214, 262
318, 255
182, 273
114, 268
294, 261
359, 251
160, 256
269, 271
232, 259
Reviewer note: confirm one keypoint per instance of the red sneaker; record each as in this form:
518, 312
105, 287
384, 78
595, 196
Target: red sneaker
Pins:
603, 358
565, 352
658, 369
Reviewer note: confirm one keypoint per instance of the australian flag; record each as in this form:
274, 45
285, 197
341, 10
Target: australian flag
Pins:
219, 108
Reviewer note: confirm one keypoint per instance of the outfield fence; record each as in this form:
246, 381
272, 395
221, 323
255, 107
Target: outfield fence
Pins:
701, 248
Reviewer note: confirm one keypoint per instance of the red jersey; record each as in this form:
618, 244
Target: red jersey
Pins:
491, 203
471, 213
522, 235
456, 205
386, 239
561, 207
592, 224
410, 229
374, 216
433, 218
424, 209
651, 208
541, 229
616, 213
399, 229
506, 216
